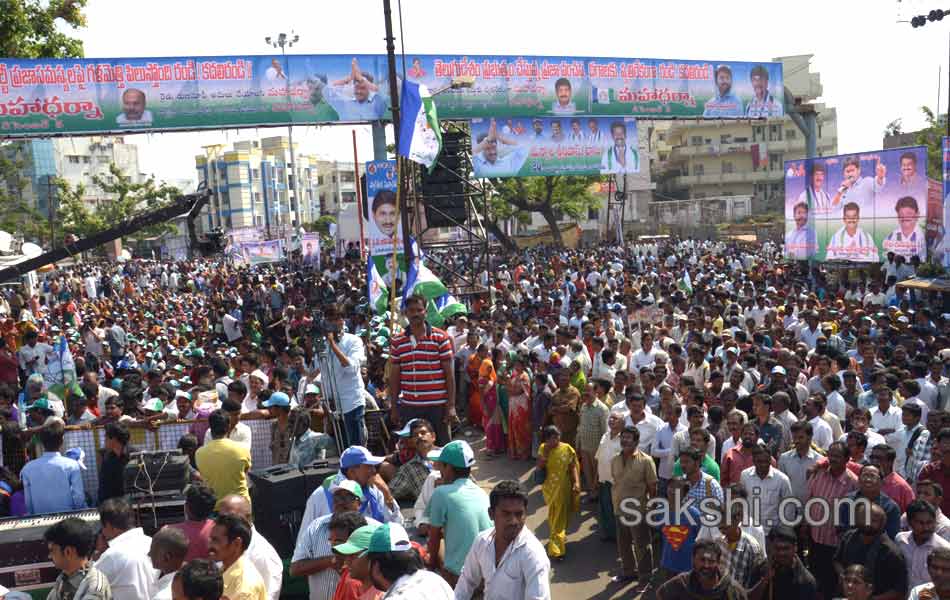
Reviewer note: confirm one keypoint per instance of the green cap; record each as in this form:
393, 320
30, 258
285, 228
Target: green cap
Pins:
390, 537
358, 541
41, 403
350, 486
458, 454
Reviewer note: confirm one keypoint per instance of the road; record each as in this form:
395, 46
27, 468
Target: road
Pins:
590, 563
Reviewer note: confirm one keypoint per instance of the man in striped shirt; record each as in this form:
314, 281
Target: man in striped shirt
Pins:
422, 376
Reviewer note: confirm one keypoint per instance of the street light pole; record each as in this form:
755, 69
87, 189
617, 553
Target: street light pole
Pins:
283, 42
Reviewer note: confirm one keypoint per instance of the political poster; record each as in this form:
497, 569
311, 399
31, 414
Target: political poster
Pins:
379, 211
310, 249
551, 146
85, 96
259, 253
943, 245
857, 207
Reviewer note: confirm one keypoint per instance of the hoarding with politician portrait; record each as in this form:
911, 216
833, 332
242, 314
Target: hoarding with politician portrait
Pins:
379, 210
555, 146
82, 96
857, 207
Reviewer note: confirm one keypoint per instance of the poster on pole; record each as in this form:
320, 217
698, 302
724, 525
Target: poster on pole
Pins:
129, 95
310, 249
943, 236
379, 211
259, 253
857, 207
548, 146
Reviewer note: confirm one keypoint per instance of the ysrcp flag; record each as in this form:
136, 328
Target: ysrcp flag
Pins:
378, 292
420, 138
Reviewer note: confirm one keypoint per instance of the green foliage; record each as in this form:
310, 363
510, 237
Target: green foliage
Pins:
128, 199
520, 196
17, 216
931, 137
322, 225
35, 29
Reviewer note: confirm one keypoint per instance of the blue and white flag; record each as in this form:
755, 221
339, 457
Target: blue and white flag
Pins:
420, 138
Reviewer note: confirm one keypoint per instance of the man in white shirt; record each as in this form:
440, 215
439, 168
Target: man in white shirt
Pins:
523, 570
609, 448
167, 553
769, 485
237, 431
126, 562
347, 357
822, 435
259, 552
648, 424
645, 356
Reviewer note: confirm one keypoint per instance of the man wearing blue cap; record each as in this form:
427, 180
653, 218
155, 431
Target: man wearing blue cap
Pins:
458, 509
359, 464
403, 475
394, 566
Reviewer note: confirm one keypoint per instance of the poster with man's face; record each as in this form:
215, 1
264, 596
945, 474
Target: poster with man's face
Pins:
380, 215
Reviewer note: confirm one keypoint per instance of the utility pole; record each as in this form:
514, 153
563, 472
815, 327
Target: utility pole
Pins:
394, 104
51, 210
283, 42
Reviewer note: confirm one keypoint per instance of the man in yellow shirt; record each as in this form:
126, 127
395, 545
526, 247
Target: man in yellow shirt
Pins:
224, 463
229, 539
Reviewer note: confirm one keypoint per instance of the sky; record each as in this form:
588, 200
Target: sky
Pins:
873, 68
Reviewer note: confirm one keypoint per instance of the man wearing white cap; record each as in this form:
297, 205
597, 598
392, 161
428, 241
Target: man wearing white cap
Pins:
358, 464
458, 509
395, 567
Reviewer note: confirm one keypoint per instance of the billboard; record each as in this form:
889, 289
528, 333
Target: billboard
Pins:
259, 253
942, 246
520, 147
82, 96
857, 207
379, 210
310, 249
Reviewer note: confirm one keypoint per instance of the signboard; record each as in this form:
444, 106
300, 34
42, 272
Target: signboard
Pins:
83, 96
943, 246
857, 207
554, 146
259, 253
379, 211
310, 249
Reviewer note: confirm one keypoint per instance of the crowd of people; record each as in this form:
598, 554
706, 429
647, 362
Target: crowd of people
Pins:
735, 425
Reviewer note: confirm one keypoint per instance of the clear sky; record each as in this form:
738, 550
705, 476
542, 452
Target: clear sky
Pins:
873, 68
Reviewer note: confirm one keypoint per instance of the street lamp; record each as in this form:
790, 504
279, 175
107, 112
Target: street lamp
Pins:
921, 20
283, 42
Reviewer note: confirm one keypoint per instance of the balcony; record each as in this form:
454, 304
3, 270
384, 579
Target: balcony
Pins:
723, 178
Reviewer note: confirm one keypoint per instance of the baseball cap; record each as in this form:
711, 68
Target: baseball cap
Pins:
390, 537
311, 389
155, 404
407, 430
350, 486
40, 404
358, 455
277, 399
257, 373
458, 454
358, 541
778, 370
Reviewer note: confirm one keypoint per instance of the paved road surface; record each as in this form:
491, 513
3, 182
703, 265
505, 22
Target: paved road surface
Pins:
590, 563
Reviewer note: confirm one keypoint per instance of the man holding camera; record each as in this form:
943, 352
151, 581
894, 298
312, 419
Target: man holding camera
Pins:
343, 381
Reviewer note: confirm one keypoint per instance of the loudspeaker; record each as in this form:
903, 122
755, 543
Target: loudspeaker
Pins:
316, 472
279, 488
163, 472
451, 211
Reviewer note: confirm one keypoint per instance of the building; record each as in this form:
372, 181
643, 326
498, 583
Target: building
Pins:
722, 158
74, 159
252, 186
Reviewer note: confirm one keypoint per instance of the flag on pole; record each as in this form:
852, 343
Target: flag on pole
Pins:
686, 283
421, 280
420, 138
378, 292
433, 316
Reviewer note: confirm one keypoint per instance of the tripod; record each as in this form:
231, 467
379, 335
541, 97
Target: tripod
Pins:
331, 404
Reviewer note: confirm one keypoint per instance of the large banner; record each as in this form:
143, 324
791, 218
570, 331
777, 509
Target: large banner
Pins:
857, 207
379, 210
942, 255
81, 96
259, 253
555, 146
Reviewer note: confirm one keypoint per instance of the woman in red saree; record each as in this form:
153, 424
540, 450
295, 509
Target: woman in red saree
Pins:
519, 412
491, 409
473, 368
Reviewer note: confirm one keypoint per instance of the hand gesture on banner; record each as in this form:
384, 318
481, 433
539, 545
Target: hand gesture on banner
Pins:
355, 73
493, 130
881, 172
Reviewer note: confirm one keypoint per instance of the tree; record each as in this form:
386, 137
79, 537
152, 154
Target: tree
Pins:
893, 128
127, 199
322, 224
34, 29
548, 196
932, 136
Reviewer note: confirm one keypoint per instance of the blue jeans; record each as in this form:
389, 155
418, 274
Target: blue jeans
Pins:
354, 427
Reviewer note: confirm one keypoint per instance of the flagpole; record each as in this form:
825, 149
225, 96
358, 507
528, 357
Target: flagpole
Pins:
395, 261
394, 104
359, 198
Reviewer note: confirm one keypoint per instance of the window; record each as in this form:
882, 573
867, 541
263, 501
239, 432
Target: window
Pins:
696, 140
790, 134
593, 213
319, 179
257, 197
255, 173
661, 136
346, 177
725, 138
334, 178
73, 160
775, 133
728, 167
699, 169
699, 195
741, 140
85, 160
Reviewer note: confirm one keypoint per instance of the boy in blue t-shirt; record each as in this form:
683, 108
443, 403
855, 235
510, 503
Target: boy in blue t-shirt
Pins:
678, 532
